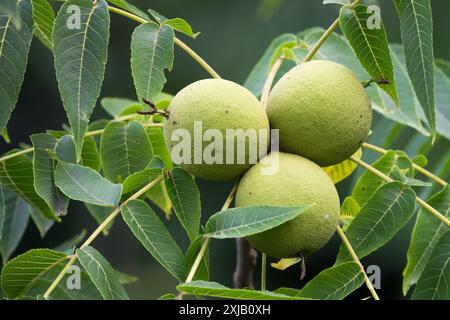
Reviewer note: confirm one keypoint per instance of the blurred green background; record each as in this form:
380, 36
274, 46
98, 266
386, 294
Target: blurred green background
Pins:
234, 34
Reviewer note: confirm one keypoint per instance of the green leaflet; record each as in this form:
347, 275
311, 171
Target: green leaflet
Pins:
105, 278
154, 236
185, 198
15, 40
152, 48
417, 35
80, 46
334, 283
384, 214
15, 223
44, 18
43, 172
85, 184
243, 222
124, 149
426, 234
17, 173
433, 284
370, 45
216, 290
29, 275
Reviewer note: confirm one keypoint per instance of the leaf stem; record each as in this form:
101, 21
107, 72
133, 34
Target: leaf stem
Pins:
198, 259
326, 34
207, 240
386, 178
420, 169
97, 231
269, 81
356, 259
88, 134
16, 154
178, 42
263, 271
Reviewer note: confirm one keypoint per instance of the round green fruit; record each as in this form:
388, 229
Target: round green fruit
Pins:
322, 111
232, 112
297, 181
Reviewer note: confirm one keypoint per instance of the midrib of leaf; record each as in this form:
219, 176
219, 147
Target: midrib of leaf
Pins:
42, 272
440, 277
430, 243
368, 44
14, 219
104, 272
78, 184
37, 26
421, 54
132, 215
16, 187
344, 286
81, 71
382, 217
152, 60
254, 222
127, 159
179, 200
8, 21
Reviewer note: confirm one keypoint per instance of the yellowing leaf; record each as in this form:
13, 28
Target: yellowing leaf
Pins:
342, 170
283, 264
349, 209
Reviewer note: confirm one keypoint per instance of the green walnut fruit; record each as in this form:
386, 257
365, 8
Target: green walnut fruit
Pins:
322, 111
297, 181
228, 129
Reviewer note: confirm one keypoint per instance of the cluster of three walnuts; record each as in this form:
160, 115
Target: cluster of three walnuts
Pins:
323, 115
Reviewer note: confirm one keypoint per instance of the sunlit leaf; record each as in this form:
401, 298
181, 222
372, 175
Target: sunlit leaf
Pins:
344, 169
182, 26
283, 264
349, 209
